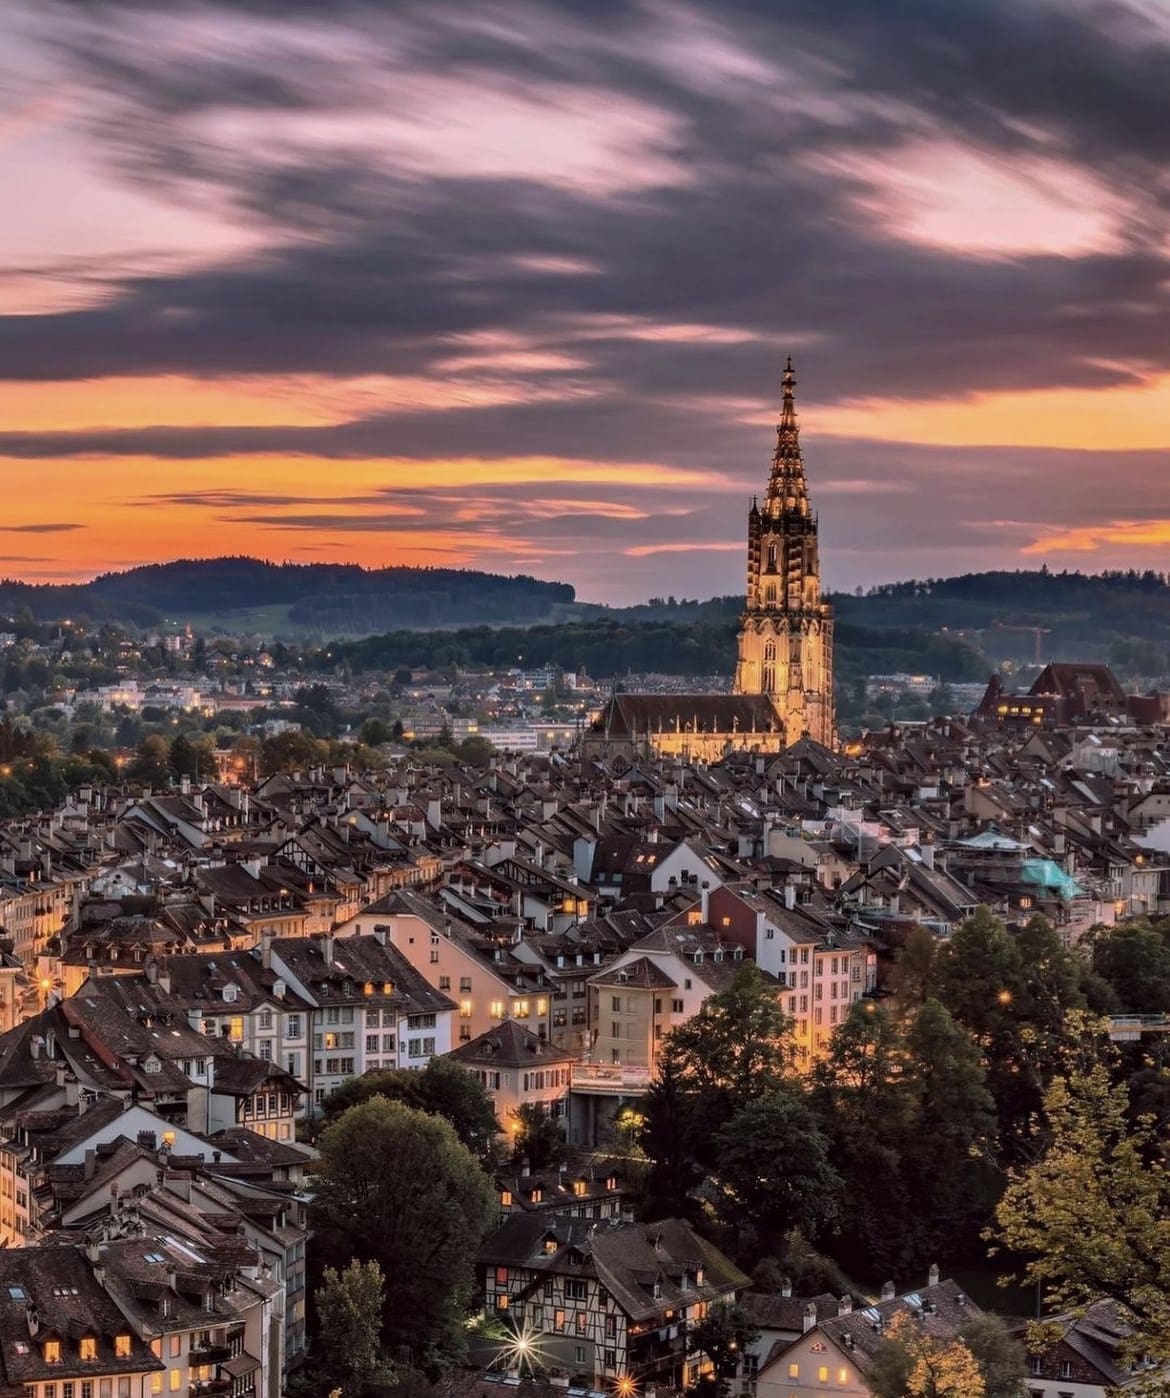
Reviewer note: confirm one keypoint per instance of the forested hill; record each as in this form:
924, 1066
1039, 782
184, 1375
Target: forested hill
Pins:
327, 598
1119, 617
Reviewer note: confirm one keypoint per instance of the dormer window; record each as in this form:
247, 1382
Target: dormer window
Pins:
698, 1276
52, 1351
368, 988
229, 993
121, 1346
550, 1246
87, 1347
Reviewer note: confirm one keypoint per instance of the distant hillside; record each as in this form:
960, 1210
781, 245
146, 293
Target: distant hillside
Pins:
325, 598
1122, 618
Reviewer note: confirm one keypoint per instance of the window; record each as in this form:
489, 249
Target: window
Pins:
292, 1027
1064, 1369
236, 1029
506, 1199
434, 957
87, 1388
87, 1347
501, 1276
616, 1004
794, 1370
464, 985
387, 1043
176, 1347
444, 982
496, 1009
823, 1374
676, 1007
559, 1320
52, 1351
842, 1375
50, 1388
371, 1043
502, 1301
121, 1346
609, 1359
156, 1382
176, 1380
576, 1289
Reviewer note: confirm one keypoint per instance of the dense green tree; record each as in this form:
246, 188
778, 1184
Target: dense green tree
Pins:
864, 1109
1092, 1214
152, 762
668, 1133
349, 1320
397, 1186
773, 1172
1001, 1357
444, 1088
914, 976
947, 1156
537, 1137
374, 732
1134, 959
723, 1335
737, 1047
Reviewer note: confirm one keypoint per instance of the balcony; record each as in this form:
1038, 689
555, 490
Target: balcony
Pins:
210, 1353
610, 1079
203, 1388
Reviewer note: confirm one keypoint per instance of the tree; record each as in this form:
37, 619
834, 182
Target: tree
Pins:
864, 1109
152, 762
538, 1137
757, 1198
738, 1046
396, 1186
947, 1153
915, 972
1001, 1357
349, 1313
374, 732
1092, 1214
910, 1363
1134, 958
722, 1335
444, 1088
667, 1134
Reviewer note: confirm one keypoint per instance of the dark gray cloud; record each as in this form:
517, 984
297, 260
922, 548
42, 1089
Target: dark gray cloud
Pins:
748, 224
49, 528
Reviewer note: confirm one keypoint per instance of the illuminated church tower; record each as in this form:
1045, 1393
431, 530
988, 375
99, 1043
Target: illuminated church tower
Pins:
786, 643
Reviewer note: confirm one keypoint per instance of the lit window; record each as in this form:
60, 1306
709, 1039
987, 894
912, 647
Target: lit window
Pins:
168, 1139
497, 1009
176, 1380
823, 1374
465, 1009
122, 1346
506, 1199
794, 1370
842, 1375
502, 1301
87, 1347
52, 1351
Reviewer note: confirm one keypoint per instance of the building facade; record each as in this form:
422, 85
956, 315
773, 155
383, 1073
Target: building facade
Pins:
786, 641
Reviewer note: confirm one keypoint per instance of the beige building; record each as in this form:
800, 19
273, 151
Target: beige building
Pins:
518, 1069
443, 951
786, 644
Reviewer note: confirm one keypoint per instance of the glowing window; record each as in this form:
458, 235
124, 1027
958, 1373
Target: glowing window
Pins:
823, 1374
87, 1347
122, 1346
52, 1351
794, 1370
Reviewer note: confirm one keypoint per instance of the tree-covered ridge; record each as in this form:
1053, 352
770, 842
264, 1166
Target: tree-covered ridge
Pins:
326, 597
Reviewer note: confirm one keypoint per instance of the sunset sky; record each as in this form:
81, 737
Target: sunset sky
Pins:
510, 286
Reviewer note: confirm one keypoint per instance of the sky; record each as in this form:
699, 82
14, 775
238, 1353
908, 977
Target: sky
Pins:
510, 286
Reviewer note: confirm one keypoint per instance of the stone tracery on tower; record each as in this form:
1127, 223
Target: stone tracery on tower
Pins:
786, 637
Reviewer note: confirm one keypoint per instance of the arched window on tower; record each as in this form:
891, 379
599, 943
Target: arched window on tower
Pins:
770, 595
771, 558
769, 683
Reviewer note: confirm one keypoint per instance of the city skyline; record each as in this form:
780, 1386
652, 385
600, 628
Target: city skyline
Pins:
506, 288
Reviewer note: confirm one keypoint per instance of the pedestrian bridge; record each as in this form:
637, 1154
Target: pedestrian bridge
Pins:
610, 1079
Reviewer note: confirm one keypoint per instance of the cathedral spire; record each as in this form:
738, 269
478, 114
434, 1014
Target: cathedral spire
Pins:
787, 488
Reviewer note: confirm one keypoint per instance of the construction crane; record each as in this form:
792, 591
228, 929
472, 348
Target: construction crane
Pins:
1036, 631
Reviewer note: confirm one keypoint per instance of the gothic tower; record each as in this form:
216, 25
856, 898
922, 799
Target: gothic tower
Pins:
786, 642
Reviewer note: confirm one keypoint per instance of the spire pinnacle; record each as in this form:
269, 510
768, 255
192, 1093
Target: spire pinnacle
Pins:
787, 491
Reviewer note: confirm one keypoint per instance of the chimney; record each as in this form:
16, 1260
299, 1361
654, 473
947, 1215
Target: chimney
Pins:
810, 1316
90, 1163
790, 896
889, 1291
845, 1307
932, 1275
926, 849
786, 1287
327, 944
